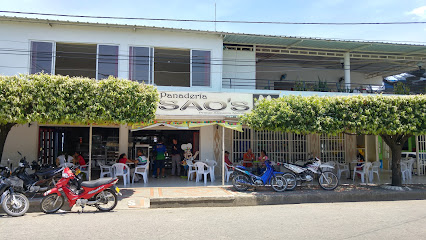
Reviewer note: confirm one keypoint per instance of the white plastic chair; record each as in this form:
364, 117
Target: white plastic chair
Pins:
85, 169
191, 169
342, 168
363, 171
375, 169
410, 164
105, 170
228, 172
118, 169
212, 164
404, 170
328, 166
141, 170
202, 169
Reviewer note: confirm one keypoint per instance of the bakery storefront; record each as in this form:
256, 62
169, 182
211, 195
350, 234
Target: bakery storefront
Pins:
204, 119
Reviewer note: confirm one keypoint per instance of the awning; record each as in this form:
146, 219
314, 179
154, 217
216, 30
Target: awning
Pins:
175, 125
187, 125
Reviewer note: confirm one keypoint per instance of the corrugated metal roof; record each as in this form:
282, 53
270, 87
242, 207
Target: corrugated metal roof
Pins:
339, 45
272, 40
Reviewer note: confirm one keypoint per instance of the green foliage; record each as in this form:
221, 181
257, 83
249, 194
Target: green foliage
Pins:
401, 88
379, 115
321, 86
299, 86
61, 99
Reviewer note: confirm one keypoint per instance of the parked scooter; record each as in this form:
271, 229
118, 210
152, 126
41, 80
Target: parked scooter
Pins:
327, 179
39, 181
12, 200
244, 179
101, 193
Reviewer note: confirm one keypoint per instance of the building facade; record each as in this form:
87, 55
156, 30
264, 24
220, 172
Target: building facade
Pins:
204, 79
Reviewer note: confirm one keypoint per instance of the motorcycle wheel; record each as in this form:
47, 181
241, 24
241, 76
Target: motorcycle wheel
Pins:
328, 180
240, 178
291, 181
279, 183
51, 203
107, 200
18, 207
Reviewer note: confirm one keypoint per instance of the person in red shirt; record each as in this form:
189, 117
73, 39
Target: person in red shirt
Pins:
248, 158
78, 159
123, 159
227, 161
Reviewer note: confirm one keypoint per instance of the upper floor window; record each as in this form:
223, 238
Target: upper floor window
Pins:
75, 59
200, 68
107, 61
41, 57
170, 67
140, 64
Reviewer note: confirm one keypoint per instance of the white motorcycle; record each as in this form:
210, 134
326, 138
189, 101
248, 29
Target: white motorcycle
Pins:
327, 179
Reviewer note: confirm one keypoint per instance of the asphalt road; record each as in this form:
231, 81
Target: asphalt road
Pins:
359, 220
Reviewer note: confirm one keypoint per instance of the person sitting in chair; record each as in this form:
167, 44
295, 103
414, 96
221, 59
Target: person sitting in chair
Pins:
123, 159
142, 160
78, 159
248, 158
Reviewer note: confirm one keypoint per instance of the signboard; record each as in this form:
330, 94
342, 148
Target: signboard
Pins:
204, 103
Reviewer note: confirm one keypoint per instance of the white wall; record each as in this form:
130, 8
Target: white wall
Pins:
17, 35
240, 66
305, 74
207, 142
23, 139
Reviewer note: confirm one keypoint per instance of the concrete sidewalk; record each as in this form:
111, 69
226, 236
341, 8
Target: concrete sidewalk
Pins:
226, 196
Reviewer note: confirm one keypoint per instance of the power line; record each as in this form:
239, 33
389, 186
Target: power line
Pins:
170, 56
215, 21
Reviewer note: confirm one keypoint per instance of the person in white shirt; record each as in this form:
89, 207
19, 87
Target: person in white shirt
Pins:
63, 158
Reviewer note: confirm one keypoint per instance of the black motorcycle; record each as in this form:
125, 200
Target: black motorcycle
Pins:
12, 199
40, 181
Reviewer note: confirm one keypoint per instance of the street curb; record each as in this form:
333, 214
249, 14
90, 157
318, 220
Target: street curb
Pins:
283, 198
222, 201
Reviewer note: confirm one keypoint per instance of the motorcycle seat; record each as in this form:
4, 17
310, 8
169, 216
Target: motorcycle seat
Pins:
96, 183
48, 171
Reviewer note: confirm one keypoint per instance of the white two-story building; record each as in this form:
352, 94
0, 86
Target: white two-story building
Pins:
204, 78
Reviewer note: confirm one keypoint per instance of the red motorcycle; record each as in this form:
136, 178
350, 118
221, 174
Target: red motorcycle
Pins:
101, 193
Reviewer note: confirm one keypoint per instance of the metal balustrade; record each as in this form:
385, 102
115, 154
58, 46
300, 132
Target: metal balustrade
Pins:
316, 86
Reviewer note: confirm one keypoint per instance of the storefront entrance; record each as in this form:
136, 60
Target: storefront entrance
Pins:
152, 137
53, 141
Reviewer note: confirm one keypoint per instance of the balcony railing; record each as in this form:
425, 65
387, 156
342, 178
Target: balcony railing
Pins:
316, 86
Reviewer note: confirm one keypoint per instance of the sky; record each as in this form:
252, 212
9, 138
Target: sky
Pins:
251, 10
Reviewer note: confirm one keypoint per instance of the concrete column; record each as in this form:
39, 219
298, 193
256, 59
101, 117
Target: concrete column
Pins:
347, 69
123, 139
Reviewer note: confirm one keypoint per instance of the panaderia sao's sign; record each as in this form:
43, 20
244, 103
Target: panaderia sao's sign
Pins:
196, 103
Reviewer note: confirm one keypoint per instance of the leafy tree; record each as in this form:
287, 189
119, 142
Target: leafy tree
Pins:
47, 98
401, 88
394, 118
